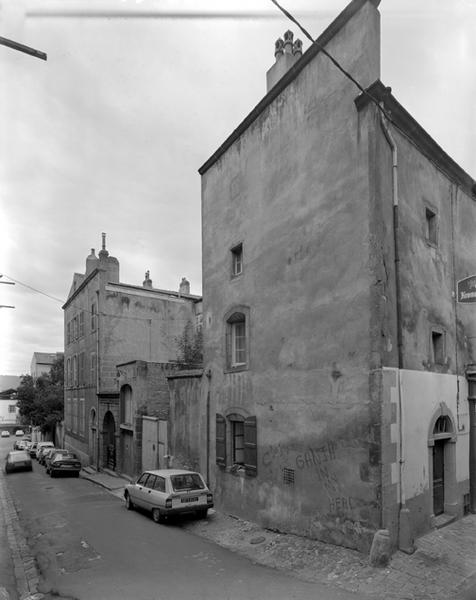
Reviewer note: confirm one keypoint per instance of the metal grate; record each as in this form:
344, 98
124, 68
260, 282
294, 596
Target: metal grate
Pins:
288, 476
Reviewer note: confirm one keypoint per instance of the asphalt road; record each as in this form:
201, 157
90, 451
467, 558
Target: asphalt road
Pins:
90, 547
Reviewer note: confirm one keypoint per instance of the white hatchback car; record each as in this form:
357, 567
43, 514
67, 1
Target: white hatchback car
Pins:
169, 492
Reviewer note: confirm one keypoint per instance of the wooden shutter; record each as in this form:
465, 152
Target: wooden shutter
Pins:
251, 463
220, 440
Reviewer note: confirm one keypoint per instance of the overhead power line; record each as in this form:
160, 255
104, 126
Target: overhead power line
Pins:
332, 59
23, 48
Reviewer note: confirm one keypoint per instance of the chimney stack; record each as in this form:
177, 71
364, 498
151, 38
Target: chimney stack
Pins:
184, 287
286, 53
147, 283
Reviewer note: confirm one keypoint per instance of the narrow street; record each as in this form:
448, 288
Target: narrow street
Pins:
89, 547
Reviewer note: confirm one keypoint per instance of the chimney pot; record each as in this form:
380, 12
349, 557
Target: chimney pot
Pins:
184, 287
297, 48
278, 48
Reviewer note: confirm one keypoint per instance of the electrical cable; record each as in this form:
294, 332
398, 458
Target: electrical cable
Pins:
332, 59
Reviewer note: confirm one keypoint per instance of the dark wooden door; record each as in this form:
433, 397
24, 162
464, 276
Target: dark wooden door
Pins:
438, 478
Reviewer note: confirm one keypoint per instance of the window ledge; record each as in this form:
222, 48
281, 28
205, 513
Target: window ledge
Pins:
236, 369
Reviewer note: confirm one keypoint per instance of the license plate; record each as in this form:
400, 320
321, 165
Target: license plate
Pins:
194, 499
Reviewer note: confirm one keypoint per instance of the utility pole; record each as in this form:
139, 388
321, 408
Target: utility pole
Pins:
6, 283
22, 48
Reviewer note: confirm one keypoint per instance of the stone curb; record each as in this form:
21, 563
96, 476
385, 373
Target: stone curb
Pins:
25, 569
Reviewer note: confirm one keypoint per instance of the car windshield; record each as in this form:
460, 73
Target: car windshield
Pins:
187, 481
18, 457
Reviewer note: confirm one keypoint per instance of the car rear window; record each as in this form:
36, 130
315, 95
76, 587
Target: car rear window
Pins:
18, 457
188, 481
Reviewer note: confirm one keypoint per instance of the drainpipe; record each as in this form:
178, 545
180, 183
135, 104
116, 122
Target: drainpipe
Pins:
405, 539
471, 377
97, 384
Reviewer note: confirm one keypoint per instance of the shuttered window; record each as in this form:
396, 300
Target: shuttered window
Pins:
220, 440
251, 463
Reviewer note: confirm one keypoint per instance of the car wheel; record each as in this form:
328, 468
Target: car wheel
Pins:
129, 504
52, 473
202, 513
157, 516
76, 474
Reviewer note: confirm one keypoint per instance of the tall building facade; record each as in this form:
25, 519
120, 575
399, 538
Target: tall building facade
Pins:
108, 323
335, 231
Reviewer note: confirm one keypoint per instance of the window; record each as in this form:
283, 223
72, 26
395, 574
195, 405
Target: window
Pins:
93, 316
143, 479
68, 372
238, 442
81, 416
237, 338
68, 333
150, 483
12, 408
438, 347
431, 227
82, 381
237, 260
159, 484
81, 323
75, 371
239, 433
220, 441
75, 328
74, 416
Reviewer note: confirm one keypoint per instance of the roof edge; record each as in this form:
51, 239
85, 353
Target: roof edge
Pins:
326, 36
404, 121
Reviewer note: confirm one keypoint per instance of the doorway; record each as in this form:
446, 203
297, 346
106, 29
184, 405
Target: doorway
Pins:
439, 477
109, 441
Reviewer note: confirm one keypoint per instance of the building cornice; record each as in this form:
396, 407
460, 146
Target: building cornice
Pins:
351, 9
407, 125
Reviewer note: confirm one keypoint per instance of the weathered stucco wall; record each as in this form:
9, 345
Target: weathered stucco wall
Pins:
414, 400
187, 429
293, 189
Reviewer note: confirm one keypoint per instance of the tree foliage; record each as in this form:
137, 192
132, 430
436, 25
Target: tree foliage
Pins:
190, 346
41, 401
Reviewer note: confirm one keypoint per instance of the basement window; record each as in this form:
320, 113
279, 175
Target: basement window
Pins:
431, 227
438, 347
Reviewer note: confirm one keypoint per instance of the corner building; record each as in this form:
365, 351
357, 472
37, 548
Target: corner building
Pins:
108, 324
339, 359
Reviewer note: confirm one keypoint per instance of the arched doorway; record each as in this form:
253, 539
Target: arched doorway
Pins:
109, 441
93, 437
441, 444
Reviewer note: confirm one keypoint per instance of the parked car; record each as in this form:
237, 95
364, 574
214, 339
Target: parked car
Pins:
5, 433
41, 447
167, 492
44, 451
20, 444
32, 449
19, 433
63, 461
18, 460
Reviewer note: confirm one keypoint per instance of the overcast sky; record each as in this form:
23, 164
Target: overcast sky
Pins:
108, 134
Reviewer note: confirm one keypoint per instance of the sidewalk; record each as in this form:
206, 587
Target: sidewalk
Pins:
443, 567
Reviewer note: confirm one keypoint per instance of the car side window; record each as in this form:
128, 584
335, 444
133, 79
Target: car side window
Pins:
151, 482
159, 484
142, 479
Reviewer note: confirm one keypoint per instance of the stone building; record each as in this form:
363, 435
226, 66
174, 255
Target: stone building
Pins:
335, 230
108, 324
41, 362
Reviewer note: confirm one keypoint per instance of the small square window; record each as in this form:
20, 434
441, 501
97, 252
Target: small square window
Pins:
431, 227
237, 260
438, 347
